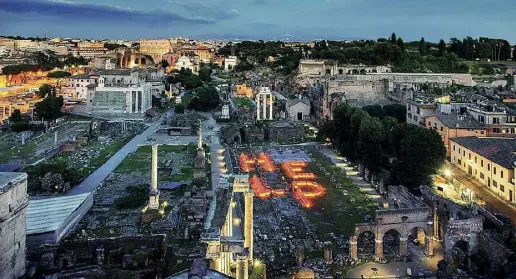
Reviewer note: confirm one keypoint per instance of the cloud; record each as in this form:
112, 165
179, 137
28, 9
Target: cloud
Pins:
75, 10
213, 11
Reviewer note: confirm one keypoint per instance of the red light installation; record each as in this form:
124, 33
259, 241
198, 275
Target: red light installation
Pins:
266, 162
246, 162
303, 189
259, 188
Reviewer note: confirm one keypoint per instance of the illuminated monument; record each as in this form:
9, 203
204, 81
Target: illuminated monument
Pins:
228, 229
153, 209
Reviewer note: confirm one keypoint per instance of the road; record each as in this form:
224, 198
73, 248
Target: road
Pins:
93, 181
497, 203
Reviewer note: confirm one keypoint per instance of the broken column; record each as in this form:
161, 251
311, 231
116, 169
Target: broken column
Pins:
258, 107
379, 248
353, 247
403, 246
154, 192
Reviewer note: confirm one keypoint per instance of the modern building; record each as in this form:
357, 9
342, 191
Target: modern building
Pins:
13, 214
491, 161
51, 219
298, 109
77, 86
451, 126
120, 93
418, 111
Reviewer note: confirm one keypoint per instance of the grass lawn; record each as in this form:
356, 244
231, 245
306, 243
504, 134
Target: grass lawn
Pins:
335, 213
243, 102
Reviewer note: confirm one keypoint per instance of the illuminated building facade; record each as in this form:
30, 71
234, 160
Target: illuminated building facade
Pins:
229, 227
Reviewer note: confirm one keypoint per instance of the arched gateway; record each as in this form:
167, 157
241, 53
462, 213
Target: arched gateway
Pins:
408, 218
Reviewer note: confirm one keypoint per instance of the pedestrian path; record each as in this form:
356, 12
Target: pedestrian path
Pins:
352, 173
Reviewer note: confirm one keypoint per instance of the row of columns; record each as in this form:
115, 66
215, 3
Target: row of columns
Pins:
261, 114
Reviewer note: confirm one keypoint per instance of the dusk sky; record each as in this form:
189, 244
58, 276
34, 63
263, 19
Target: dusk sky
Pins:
260, 19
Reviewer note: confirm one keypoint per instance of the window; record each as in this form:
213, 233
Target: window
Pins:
469, 156
495, 183
459, 161
494, 170
442, 128
502, 188
501, 174
459, 150
454, 147
481, 132
481, 175
488, 166
464, 153
482, 163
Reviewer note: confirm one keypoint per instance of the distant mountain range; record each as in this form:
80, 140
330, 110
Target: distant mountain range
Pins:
282, 37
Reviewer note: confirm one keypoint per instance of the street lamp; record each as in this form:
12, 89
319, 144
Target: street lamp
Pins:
447, 173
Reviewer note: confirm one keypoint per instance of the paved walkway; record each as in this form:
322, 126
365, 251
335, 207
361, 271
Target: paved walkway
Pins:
93, 181
352, 173
497, 203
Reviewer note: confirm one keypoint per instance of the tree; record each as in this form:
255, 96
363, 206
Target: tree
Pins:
164, 64
375, 111
396, 111
16, 116
179, 108
422, 47
204, 99
50, 107
44, 91
467, 49
421, 154
205, 73
370, 139
441, 47
514, 54
393, 39
401, 44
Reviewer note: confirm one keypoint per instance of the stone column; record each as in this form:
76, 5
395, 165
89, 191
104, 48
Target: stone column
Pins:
353, 247
55, 138
136, 110
429, 246
258, 107
403, 246
154, 193
215, 264
265, 106
248, 223
378, 249
242, 268
270, 108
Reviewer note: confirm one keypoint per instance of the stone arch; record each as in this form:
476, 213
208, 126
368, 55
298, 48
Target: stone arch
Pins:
328, 71
366, 244
355, 72
341, 71
391, 242
230, 67
143, 61
362, 71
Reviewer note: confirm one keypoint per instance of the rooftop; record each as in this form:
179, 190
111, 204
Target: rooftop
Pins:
47, 215
7, 179
499, 150
459, 121
292, 102
84, 76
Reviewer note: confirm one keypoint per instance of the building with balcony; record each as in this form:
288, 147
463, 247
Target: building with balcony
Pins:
491, 161
451, 126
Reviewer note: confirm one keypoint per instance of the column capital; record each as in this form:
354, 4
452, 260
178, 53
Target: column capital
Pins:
378, 240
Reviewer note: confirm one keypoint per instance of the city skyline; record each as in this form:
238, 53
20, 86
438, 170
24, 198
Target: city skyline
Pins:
257, 19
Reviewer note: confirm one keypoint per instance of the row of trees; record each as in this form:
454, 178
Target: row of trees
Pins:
411, 154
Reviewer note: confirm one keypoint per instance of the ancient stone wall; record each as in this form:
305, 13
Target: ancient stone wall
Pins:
13, 208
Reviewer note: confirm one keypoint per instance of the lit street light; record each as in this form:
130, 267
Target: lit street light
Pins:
447, 173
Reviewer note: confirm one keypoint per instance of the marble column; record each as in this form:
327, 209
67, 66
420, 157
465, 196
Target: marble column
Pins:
242, 268
270, 108
258, 107
265, 106
136, 110
248, 222
154, 193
